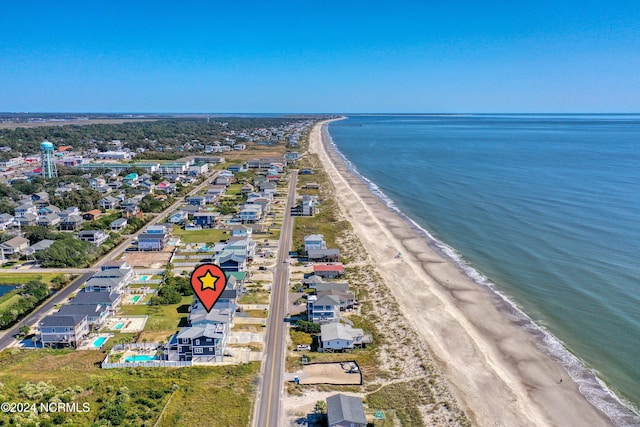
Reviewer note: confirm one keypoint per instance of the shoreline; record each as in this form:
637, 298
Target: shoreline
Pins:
480, 346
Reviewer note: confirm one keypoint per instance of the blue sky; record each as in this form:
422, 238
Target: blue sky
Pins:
349, 56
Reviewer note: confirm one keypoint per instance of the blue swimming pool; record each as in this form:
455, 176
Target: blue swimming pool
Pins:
141, 358
98, 343
118, 326
144, 278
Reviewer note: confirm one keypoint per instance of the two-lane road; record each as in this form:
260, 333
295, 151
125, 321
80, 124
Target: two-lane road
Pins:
269, 399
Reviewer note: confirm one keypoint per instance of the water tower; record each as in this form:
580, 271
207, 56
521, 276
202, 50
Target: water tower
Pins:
47, 162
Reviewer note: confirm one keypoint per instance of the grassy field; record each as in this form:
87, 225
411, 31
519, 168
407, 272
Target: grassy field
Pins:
254, 297
193, 396
200, 236
9, 298
22, 278
164, 320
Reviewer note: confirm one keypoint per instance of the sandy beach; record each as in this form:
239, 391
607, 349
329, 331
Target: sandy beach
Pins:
494, 368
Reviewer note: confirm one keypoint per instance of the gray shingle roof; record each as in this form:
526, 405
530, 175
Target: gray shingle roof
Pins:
94, 298
54, 320
343, 408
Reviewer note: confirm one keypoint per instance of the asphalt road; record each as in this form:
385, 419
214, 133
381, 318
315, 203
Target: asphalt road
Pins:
32, 319
269, 399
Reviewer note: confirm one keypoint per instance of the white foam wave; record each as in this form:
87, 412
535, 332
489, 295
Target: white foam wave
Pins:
621, 413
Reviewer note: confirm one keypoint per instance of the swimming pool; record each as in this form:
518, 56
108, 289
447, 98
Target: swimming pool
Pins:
135, 298
140, 358
118, 326
143, 278
98, 343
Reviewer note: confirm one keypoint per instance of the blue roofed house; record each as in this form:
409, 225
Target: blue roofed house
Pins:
197, 200
207, 219
155, 238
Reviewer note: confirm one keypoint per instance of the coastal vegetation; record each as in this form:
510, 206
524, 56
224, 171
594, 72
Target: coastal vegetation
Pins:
165, 134
22, 300
124, 397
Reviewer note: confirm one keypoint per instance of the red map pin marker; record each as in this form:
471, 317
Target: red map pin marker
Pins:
208, 282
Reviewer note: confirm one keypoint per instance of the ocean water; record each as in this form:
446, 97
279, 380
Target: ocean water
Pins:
545, 209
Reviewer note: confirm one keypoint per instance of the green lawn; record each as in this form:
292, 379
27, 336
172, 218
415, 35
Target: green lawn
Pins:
193, 396
163, 319
22, 278
9, 298
200, 236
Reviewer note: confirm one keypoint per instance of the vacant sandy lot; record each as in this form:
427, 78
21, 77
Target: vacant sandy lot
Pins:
148, 259
328, 373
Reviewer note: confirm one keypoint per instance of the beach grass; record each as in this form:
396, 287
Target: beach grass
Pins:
142, 393
22, 278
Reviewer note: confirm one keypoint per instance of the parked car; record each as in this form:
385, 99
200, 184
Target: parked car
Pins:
303, 347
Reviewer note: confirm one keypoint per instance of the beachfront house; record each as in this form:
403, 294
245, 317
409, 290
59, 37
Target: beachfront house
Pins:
339, 337
198, 344
345, 411
63, 330
323, 255
314, 241
328, 271
323, 309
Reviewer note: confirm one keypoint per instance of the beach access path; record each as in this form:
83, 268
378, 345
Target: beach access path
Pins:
493, 366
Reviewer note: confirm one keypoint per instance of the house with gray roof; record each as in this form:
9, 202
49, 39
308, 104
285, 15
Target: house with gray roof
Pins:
342, 337
48, 220
111, 300
96, 314
323, 255
345, 411
202, 344
40, 246
6, 221
323, 309
63, 330
17, 245
118, 224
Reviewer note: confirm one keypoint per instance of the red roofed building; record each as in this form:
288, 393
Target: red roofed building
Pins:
330, 271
